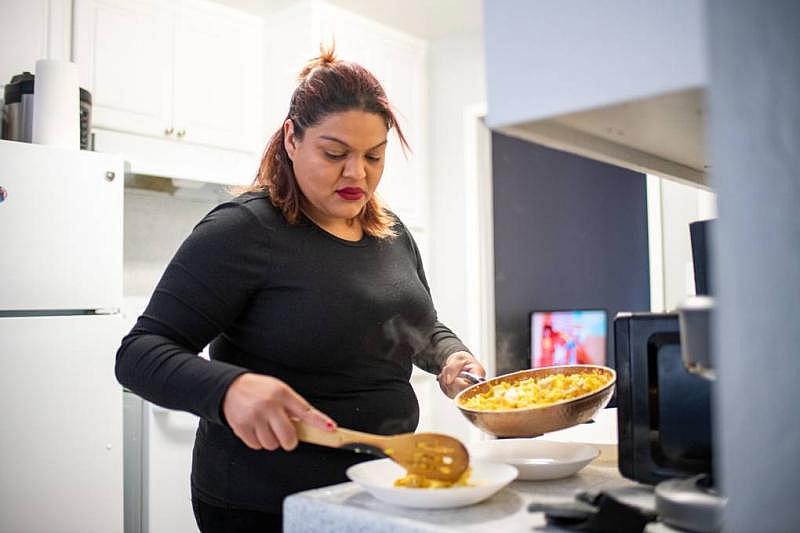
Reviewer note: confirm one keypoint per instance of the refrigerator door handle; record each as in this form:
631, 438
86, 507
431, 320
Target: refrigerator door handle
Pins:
107, 311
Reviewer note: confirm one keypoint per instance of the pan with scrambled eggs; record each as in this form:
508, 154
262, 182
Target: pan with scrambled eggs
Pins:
536, 401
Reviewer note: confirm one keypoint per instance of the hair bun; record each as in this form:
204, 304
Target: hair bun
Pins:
326, 57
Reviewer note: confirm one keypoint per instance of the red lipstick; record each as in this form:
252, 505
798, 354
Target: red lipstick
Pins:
350, 193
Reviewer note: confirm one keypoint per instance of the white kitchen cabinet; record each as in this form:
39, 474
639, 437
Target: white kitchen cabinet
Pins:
187, 71
123, 50
399, 61
217, 69
31, 30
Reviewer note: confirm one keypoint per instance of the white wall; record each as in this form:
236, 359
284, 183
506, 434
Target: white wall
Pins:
38, 29
677, 205
456, 77
156, 223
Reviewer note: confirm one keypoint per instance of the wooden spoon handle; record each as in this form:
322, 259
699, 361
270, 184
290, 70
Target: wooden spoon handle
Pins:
336, 438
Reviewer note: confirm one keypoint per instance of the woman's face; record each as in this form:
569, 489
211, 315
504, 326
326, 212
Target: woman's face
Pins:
338, 163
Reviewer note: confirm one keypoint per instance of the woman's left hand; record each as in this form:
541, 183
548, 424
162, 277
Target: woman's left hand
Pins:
458, 362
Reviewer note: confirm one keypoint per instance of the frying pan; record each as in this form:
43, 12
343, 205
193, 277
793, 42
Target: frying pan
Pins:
534, 421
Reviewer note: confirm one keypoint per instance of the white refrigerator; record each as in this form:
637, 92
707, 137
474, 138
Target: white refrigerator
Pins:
61, 460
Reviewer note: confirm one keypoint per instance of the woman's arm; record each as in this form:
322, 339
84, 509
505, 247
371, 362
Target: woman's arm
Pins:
456, 363
204, 289
445, 354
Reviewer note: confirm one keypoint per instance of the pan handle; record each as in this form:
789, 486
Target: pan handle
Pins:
472, 378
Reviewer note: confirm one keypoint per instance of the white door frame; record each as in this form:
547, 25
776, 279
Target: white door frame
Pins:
655, 243
479, 234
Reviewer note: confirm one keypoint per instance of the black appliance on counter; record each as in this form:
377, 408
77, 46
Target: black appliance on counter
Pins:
699, 233
663, 410
665, 374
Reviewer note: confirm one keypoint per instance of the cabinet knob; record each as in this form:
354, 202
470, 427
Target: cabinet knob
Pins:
181, 133
169, 131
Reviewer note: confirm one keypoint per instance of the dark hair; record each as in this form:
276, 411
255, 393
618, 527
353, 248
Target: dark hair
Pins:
326, 85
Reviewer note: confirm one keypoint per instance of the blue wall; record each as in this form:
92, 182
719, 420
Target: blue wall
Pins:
569, 232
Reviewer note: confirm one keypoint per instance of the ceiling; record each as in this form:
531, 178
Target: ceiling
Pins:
427, 19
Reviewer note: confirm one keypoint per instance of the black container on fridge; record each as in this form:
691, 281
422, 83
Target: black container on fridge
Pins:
17, 112
18, 108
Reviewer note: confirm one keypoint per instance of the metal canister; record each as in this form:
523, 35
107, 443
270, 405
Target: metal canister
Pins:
18, 108
86, 119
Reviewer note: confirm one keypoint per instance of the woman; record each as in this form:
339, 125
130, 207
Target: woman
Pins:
315, 303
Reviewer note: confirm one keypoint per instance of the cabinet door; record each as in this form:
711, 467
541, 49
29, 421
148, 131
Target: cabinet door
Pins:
217, 93
124, 52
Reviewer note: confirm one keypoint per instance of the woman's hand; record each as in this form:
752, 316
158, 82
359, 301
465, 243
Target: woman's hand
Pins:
258, 409
457, 362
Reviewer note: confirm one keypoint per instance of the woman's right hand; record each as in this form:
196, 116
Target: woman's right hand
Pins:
258, 408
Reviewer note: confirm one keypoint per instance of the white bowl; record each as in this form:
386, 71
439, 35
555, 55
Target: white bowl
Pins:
378, 477
536, 459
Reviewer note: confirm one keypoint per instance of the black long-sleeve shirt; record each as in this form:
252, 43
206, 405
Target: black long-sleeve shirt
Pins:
339, 321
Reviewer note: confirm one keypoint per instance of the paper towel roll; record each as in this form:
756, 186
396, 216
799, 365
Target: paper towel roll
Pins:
26, 124
56, 104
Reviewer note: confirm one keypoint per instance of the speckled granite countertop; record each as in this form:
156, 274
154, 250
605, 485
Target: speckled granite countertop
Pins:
347, 508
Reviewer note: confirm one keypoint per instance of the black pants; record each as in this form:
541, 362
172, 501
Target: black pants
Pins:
213, 519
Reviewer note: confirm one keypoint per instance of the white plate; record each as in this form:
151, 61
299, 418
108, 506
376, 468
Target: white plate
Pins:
378, 477
536, 459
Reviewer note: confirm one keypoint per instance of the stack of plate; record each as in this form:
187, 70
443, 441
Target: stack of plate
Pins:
536, 459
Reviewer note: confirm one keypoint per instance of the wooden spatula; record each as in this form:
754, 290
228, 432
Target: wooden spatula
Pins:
432, 455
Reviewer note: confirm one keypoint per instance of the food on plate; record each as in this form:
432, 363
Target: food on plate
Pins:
415, 481
431, 460
537, 391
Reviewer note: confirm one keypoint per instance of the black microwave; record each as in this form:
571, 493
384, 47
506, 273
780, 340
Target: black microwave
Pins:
663, 411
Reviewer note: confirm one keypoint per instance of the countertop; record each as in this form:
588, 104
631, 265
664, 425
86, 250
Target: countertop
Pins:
347, 508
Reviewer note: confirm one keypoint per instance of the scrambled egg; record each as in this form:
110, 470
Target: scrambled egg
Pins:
415, 481
537, 392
